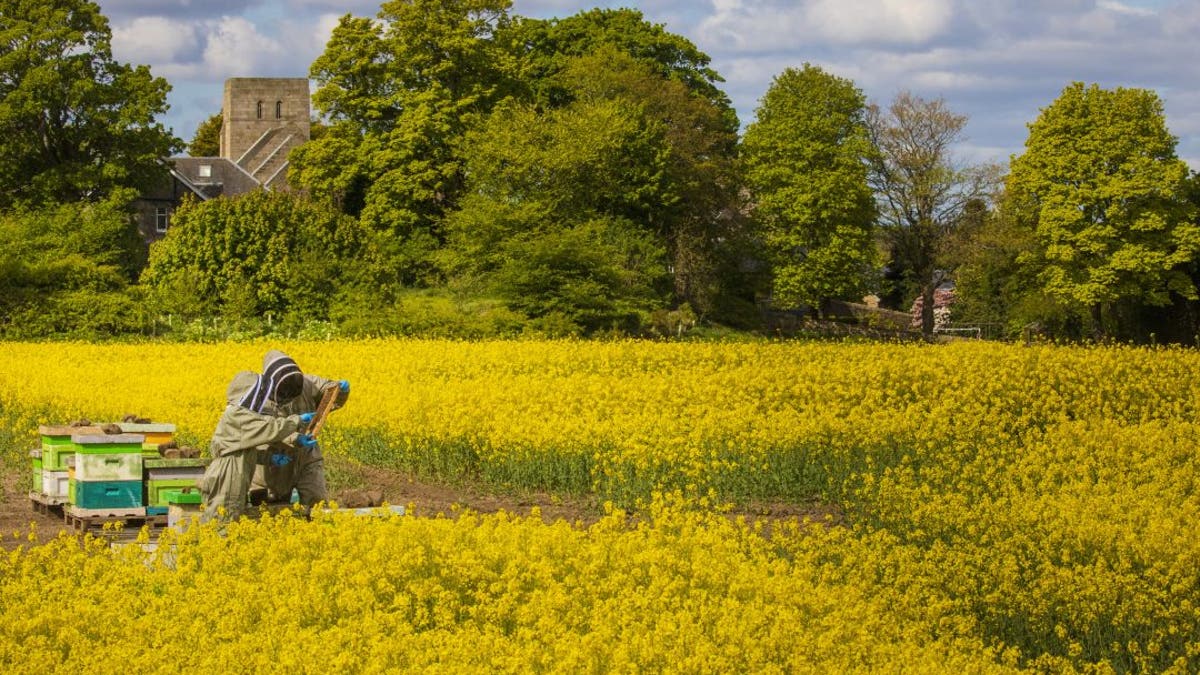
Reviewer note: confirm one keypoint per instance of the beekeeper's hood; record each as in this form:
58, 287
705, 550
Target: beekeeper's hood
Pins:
281, 381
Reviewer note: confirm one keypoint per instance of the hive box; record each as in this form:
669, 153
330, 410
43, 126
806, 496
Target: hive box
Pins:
108, 494
181, 506
107, 472
154, 433
165, 475
57, 445
108, 466
56, 483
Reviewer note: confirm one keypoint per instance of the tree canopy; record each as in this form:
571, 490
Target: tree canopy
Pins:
207, 140
1104, 194
260, 252
75, 124
805, 156
920, 188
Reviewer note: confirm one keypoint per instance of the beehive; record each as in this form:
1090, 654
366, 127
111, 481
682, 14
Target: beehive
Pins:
166, 475
107, 471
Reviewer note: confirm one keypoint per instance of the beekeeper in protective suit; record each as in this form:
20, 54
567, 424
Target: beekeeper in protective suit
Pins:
285, 466
251, 422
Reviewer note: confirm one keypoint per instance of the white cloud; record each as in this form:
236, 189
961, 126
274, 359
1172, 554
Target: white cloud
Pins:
766, 25
154, 39
236, 48
879, 21
1121, 8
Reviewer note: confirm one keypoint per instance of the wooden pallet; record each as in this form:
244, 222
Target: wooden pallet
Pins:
46, 504
84, 520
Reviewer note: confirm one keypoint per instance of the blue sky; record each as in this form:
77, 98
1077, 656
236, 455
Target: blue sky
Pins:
997, 61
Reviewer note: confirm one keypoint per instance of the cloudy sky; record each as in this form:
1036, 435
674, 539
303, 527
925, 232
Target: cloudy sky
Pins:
997, 61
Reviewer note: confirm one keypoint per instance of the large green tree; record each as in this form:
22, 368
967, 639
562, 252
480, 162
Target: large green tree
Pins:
554, 219
694, 190
74, 123
545, 47
806, 165
1101, 188
65, 269
398, 91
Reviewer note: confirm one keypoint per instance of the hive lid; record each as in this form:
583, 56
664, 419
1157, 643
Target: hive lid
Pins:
65, 430
107, 439
133, 428
171, 463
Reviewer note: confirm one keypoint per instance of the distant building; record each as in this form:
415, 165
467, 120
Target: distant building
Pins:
263, 119
943, 298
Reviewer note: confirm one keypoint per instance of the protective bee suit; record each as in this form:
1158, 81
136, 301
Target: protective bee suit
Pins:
245, 426
286, 466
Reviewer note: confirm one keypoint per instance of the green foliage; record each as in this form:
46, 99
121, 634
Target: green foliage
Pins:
399, 92
261, 253
555, 221
1102, 191
694, 208
207, 141
920, 189
359, 311
546, 47
805, 157
596, 276
74, 123
65, 270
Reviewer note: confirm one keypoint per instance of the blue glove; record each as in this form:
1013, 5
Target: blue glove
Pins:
280, 459
344, 386
306, 441
305, 418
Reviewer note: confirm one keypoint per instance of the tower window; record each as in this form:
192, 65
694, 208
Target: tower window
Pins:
258, 110
278, 109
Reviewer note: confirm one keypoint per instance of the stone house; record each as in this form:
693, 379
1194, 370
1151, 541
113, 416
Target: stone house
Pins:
263, 119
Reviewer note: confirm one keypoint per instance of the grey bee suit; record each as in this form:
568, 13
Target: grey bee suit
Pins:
238, 434
306, 470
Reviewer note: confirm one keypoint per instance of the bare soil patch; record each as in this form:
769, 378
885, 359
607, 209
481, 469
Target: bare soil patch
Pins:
422, 498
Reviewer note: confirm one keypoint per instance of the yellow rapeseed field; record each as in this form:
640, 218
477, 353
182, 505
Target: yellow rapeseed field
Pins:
1008, 508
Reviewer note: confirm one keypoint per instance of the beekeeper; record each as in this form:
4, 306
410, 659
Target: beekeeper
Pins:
286, 466
251, 422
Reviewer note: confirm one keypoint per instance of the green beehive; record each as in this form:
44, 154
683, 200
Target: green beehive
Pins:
57, 445
167, 475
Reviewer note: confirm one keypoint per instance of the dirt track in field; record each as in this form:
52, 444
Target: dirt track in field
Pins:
422, 498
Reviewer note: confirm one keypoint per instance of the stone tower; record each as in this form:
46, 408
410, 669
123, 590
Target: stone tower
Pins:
263, 118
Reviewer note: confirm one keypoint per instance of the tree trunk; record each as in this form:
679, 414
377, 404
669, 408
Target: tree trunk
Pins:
927, 293
1098, 322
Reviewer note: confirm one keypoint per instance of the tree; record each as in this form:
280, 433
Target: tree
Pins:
545, 47
74, 123
695, 185
1104, 194
553, 219
65, 269
207, 141
805, 157
290, 254
399, 92
920, 189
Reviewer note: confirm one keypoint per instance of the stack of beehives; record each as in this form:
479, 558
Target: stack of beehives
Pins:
112, 470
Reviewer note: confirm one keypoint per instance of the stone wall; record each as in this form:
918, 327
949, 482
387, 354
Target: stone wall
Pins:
254, 107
